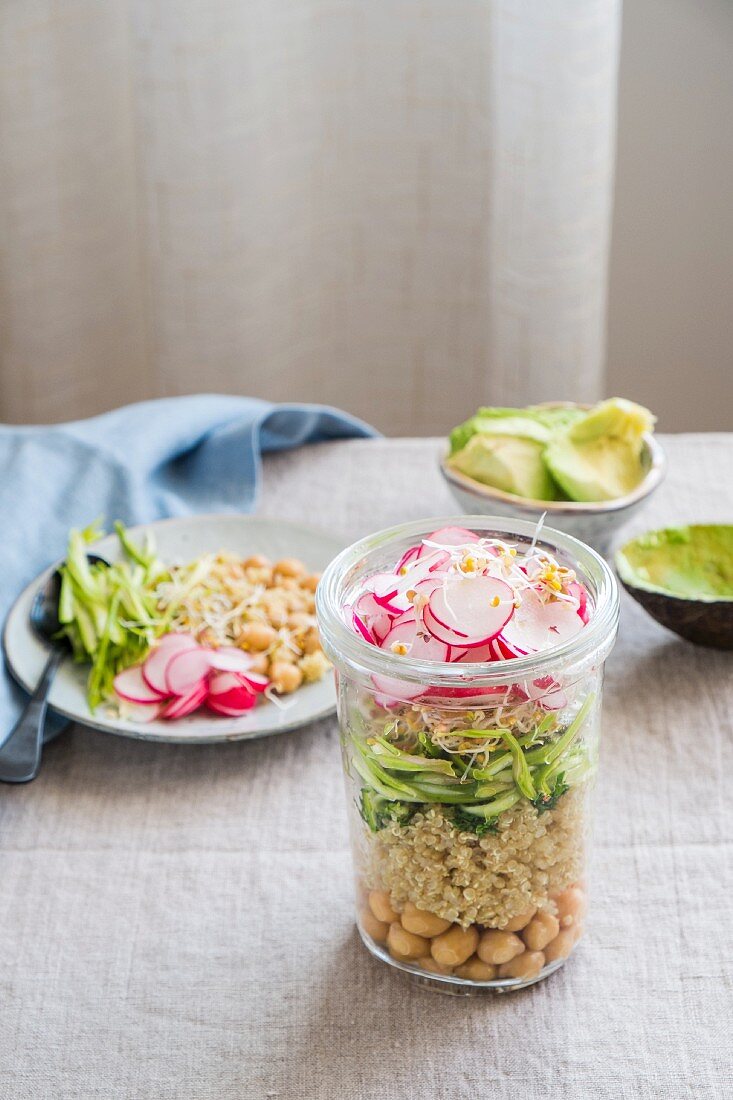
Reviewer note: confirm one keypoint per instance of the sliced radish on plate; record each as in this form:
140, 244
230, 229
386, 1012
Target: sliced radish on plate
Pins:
186, 704
132, 687
186, 670
156, 662
228, 658
141, 712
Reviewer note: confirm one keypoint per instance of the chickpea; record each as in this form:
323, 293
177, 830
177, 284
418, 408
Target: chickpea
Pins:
421, 922
454, 946
527, 965
404, 945
516, 924
561, 946
275, 610
256, 636
311, 640
377, 929
300, 621
381, 906
283, 653
289, 567
429, 963
499, 947
476, 970
310, 583
285, 678
259, 575
257, 561
540, 930
571, 905
206, 636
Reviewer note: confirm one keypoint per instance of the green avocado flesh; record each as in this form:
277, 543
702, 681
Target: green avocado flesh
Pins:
555, 452
694, 563
600, 456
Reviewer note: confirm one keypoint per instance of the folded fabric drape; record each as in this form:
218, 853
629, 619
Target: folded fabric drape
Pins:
139, 463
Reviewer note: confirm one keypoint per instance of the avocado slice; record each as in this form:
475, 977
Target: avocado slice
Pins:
599, 456
683, 577
512, 463
535, 422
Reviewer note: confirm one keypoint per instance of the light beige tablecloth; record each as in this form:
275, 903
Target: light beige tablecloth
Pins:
176, 922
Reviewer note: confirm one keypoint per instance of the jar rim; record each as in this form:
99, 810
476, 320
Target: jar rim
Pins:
345, 646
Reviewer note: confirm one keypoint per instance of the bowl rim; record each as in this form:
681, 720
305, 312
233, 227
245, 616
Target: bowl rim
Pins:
655, 475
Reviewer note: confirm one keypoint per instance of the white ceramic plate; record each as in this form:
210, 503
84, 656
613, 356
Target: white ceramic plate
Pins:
180, 540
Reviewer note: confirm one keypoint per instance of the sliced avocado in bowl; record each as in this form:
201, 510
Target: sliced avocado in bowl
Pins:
600, 455
683, 576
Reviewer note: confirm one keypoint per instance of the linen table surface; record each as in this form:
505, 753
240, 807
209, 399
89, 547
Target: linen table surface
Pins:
176, 921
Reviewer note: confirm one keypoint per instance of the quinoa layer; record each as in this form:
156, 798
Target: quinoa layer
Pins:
484, 880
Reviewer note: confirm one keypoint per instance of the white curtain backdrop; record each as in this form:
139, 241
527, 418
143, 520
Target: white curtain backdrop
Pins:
397, 206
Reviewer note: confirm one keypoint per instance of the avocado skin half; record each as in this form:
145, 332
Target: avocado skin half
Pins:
700, 621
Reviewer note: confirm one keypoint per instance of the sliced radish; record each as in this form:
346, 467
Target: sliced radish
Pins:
382, 584
422, 646
186, 670
255, 681
186, 704
363, 629
399, 691
375, 617
408, 556
481, 654
229, 659
478, 695
579, 592
155, 664
536, 626
132, 687
229, 690
228, 712
429, 565
453, 536
469, 611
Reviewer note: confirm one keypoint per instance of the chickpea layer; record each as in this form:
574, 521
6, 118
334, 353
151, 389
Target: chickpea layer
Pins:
477, 954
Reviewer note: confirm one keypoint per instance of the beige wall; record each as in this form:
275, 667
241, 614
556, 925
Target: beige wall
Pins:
671, 298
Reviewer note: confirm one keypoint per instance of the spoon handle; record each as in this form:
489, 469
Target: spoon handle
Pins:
20, 754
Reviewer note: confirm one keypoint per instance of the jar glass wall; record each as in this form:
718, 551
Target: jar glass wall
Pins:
469, 785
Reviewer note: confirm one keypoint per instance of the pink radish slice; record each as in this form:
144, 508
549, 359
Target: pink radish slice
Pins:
239, 698
363, 629
132, 687
156, 662
429, 565
374, 616
399, 691
228, 712
506, 650
482, 654
185, 704
473, 609
422, 646
255, 682
382, 584
229, 659
395, 604
440, 631
186, 670
408, 556
535, 626
453, 536
579, 592
476, 695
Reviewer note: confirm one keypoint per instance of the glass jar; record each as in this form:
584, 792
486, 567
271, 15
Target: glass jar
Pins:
471, 874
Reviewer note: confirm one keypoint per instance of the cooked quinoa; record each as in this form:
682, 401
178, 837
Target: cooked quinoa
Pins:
485, 880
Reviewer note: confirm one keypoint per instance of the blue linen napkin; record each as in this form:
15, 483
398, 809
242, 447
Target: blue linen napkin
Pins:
143, 462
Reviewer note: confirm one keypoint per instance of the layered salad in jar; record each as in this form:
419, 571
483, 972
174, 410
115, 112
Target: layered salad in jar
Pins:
469, 793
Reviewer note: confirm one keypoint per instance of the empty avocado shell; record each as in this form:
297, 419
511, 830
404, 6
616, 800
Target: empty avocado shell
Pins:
683, 576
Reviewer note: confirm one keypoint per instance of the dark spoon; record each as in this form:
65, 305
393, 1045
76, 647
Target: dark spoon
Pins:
20, 756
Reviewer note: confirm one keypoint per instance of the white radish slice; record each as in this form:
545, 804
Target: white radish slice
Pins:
452, 536
397, 691
185, 704
440, 631
131, 686
421, 645
228, 690
481, 654
229, 659
186, 670
471, 609
536, 626
579, 592
156, 662
255, 681
228, 712
382, 584
429, 565
374, 616
362, 628
470, 695
408, 556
